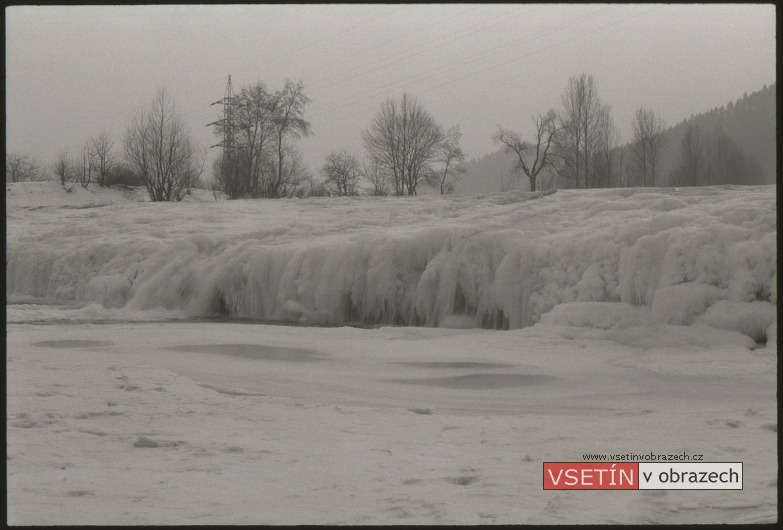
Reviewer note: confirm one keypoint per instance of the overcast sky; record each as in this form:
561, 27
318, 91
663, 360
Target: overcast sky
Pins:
72, 71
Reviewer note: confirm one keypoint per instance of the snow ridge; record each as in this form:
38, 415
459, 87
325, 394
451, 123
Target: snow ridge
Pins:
503, 260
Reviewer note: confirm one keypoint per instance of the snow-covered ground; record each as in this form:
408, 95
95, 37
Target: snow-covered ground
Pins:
641, 321
33, 195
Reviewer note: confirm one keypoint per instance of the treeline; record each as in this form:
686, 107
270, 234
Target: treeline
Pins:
259, 156
578, 146
737, 140
574, 146
95, 162
404, 145
710, 157
157, 152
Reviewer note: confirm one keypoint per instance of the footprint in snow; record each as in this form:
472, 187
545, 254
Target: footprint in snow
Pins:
24, 423
145, 442
88, 415
79, 493
463, 480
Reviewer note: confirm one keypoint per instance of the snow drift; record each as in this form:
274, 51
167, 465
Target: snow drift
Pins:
670, 256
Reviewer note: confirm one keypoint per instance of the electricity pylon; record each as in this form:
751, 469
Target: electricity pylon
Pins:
230, 169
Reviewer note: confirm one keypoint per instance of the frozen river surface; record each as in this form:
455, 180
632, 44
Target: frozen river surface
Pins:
196, 423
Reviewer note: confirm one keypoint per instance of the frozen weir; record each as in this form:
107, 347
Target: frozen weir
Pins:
598, 257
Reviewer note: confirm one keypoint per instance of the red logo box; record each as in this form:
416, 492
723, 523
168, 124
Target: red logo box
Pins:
591, 476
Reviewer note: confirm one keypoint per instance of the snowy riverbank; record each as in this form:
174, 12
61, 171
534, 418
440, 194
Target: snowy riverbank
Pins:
642, 321
493, 261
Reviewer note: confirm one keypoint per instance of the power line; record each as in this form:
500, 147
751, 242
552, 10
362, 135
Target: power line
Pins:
461, 62
319, 41
406, 55
395, 38
542, 49
504, 15
472, 74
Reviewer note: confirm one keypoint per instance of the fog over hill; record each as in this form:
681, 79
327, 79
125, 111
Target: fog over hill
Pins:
749, 121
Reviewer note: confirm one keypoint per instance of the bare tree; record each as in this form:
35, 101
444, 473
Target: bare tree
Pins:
507, 182
256, 112
714, 158
103, 156
63, 167
247, 168
378, 177
578, 121
449, 154
403, 138
606, 142
85, 168
20, 167
160, 150
341, 173
728, 163
542, 150
216, 179
692, 170
591, 107
289, 124
122, 174
382, 143
647, 146
225, 176
296, 174
14, 164
719, 158
624, 174
311, 187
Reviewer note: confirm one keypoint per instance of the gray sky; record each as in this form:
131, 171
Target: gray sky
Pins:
72, 71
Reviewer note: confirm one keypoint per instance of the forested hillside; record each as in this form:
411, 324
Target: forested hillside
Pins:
748, 123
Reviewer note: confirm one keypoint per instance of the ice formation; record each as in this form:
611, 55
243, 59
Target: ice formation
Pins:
669, 256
